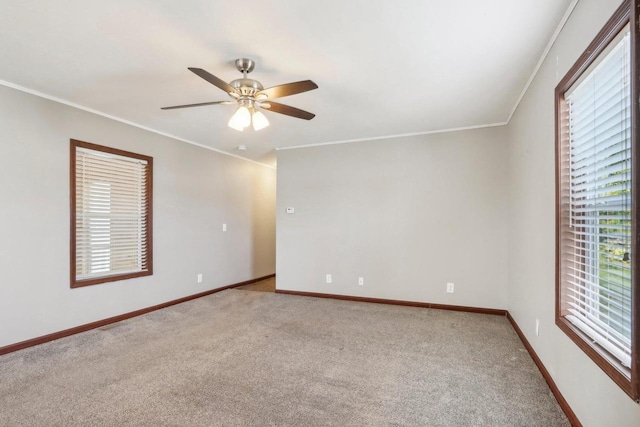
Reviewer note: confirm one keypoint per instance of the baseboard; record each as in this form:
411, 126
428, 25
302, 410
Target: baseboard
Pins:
97, 324
493, 311
573, 419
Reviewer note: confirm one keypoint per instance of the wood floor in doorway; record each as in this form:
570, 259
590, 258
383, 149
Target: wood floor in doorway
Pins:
267, 285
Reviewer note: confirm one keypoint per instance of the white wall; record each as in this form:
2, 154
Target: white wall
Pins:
408, 215
596, 400
195, 191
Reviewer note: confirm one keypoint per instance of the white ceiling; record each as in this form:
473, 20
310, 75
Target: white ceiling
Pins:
383, 68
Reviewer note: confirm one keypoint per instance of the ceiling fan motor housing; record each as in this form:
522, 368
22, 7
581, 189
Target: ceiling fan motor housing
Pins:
247, 87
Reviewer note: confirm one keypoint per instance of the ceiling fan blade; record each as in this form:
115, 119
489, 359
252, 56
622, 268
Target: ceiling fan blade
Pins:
287, 110
198, 105
288, 89
213, 80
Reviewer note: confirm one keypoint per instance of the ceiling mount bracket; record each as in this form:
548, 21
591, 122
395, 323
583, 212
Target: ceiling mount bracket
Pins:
245, 65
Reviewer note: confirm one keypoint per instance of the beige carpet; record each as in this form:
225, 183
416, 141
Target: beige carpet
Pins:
239, 358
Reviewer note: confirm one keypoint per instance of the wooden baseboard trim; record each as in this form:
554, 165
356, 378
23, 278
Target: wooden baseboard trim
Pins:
97, 324
573, 419
493, 311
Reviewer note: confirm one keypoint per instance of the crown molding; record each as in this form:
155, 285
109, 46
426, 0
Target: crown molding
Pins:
125, 121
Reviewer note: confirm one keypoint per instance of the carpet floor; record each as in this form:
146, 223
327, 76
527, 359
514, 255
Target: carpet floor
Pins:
242, 358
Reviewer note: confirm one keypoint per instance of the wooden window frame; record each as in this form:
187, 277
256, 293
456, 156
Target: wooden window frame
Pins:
75, 283
627, 13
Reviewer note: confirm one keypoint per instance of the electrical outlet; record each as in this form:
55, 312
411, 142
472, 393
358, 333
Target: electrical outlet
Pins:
200, 278
329, 279
361, 281
537, 328
450, 288
224, 227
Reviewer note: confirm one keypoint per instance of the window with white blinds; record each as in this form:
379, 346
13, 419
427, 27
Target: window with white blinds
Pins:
594, 182
595, 243
111, 221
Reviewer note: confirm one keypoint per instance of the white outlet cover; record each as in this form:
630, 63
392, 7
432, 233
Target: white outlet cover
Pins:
329, 278
291, 210
361, 281
224, 227
450, 288
199, 278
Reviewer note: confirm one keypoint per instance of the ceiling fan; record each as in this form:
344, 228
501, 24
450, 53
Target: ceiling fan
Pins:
251, 97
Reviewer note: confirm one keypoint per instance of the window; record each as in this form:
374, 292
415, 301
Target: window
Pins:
597, 295
111, 214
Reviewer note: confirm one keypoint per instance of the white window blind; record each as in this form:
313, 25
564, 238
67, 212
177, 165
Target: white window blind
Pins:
111, 214
596, 217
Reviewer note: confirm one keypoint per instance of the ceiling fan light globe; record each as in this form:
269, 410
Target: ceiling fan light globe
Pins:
240, 119
244, 115
259, 121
